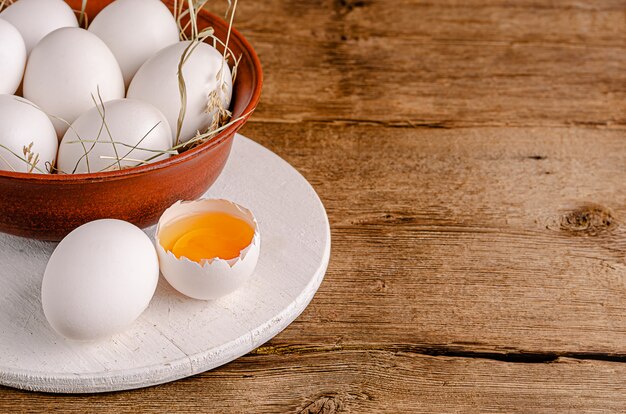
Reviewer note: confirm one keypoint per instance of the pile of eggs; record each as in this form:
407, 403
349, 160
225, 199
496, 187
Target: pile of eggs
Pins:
76, 100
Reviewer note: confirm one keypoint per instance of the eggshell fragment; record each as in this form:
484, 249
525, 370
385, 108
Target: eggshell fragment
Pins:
12, 58
127, 130
212, 278
135, 30
70, 71
22, 124
157, 82
36, 18
99, 280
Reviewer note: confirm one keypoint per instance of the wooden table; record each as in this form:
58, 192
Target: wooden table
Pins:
472, 158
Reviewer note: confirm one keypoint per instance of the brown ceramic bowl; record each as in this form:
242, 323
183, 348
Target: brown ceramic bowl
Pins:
48, 206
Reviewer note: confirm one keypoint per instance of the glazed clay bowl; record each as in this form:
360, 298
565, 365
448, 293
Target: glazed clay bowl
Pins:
49, 206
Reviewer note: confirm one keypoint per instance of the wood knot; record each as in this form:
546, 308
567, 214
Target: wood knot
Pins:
588, 220
323, 405
346, 6
381, 286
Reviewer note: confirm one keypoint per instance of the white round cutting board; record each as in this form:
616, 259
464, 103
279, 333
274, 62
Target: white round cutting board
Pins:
177, 336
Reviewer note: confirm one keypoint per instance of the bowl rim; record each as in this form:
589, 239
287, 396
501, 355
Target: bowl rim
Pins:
174, 160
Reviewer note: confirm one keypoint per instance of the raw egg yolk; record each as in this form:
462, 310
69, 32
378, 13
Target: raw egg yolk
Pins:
210, 235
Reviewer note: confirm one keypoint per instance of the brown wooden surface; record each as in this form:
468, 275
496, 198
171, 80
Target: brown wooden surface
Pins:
472, 158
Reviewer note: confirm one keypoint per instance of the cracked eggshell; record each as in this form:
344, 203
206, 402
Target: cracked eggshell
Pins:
212, 278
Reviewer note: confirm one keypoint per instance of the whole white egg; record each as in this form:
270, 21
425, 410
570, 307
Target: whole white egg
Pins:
12, 57
135, 30
36, 18
22, 124
65, 73
99, 280
157, 82
132, 131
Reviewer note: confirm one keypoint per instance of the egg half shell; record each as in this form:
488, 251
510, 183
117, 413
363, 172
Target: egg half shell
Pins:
211, 278
99, 280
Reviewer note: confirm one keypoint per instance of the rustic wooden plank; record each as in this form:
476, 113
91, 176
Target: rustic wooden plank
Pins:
448, 63
506, 240
363, 381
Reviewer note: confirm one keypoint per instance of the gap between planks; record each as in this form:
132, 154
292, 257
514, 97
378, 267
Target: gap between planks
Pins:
442, 124
450, 351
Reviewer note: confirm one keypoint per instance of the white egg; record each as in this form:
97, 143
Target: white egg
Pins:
135, 30
12, 57
66, 71
214, 278
36, 18
99, 280
132, 131
157, 82
22, 124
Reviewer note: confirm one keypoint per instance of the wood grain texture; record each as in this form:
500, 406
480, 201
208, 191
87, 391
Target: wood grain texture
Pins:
472, 239
441, 63
363, 381
472, 159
